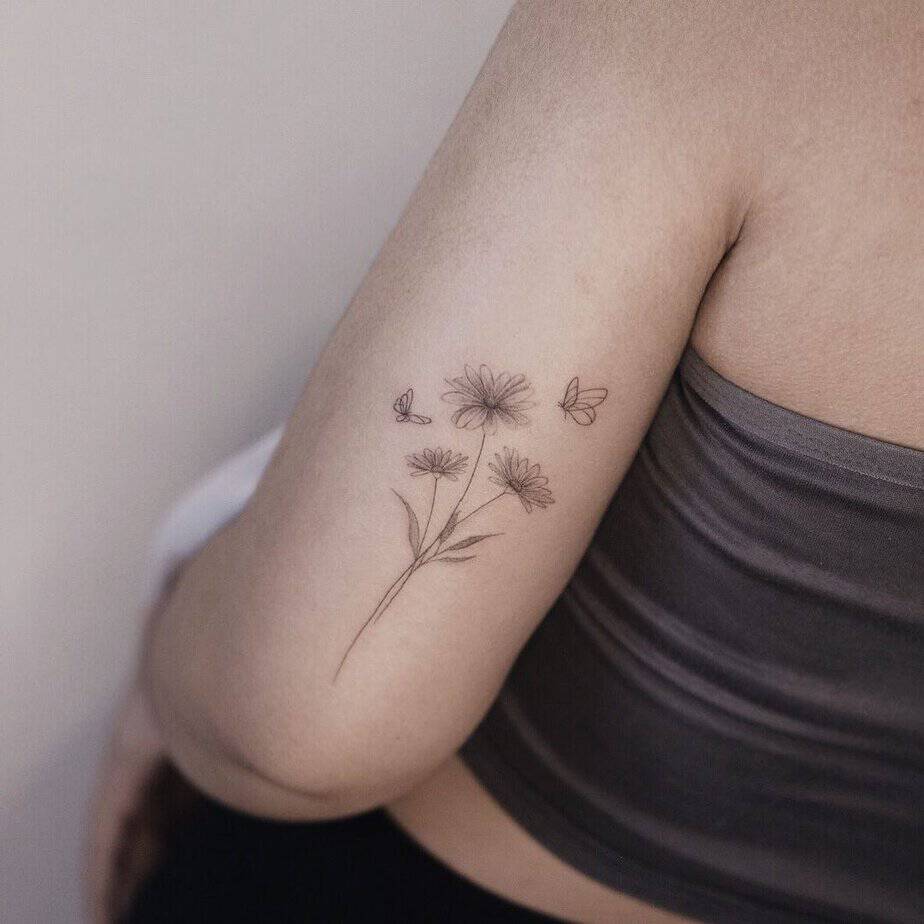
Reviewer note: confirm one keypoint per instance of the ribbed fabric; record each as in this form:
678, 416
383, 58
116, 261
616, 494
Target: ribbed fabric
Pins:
723, 713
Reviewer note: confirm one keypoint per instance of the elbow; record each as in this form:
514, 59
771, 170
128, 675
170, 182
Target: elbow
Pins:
278, 765
278, 750
255, 727
341, 763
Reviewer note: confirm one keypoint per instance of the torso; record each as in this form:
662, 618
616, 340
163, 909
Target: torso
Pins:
817, 307
454, 818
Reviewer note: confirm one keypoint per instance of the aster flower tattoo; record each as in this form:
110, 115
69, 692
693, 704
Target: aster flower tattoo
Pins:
441, 463
484, 401
517, 476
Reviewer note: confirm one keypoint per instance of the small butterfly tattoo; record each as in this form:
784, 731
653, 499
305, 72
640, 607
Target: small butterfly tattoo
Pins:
402, 408
579, 405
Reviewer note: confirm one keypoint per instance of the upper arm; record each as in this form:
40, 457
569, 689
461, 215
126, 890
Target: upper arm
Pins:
567, 227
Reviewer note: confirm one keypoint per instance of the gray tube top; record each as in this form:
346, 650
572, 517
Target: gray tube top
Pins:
723, 713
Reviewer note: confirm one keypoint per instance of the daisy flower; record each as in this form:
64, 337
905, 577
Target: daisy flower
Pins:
484, 400
440, 463
518, 477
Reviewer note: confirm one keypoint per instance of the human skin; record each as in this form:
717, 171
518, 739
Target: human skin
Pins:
619, 181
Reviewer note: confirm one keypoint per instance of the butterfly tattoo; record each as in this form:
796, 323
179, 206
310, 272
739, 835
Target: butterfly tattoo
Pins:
579, 405
402, 408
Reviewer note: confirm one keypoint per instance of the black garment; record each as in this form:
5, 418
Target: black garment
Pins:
225, 867
724, 711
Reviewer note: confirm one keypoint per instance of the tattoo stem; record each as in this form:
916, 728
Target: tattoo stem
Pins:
421, 558
395, 589
404, 574
480, 507
408, 571
423, 537
458, 504
439, 547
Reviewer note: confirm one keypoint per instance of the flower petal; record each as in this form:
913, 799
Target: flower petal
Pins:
512, 386
474, 381
460, 383
459, 397
470, 417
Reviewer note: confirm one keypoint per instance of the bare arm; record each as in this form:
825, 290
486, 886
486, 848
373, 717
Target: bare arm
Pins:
330, 647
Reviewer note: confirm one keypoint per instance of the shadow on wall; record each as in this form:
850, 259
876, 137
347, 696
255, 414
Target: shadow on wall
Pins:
193, 194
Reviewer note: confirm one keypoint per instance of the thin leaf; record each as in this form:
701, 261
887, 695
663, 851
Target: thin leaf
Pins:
450, 526
471, 540
455, 558
413, 527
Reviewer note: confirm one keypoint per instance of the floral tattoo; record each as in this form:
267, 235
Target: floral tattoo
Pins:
484, 402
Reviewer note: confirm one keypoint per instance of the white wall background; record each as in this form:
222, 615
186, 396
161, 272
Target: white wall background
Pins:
191, 191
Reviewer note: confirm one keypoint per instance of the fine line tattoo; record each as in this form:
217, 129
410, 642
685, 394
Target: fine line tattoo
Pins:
579, 404
484, 401
402, 408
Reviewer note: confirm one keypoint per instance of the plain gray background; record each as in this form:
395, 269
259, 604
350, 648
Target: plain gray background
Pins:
191, 193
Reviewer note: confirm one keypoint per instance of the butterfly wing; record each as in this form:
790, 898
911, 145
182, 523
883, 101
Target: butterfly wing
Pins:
419, 419
581, 409
590, 397
584, 416
571, 393
403, 404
